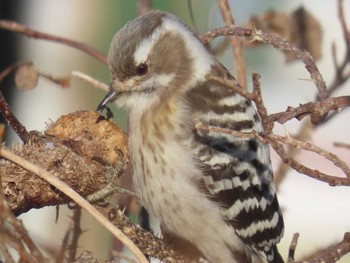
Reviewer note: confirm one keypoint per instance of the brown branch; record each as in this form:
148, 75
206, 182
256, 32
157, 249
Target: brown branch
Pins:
292, 248
5, 109
236, 43
19, 28
281, 44
317, 108
257, 98
143, 6
14, 235
225, 31
304, 55
331, 180
304, 134
312, 148
342, 145
76, 233
344, 27
340, 75
243, 92
331, 254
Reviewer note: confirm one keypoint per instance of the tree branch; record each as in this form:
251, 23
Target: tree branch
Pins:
236, 43
19, 28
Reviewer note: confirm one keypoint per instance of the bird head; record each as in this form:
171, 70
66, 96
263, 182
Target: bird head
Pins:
151, 57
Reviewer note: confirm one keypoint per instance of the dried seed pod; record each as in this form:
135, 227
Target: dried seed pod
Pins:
77, 148
26, 77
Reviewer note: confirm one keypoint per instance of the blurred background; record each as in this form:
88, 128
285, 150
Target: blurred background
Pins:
320, 213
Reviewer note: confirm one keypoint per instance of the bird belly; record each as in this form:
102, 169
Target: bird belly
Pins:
166, 177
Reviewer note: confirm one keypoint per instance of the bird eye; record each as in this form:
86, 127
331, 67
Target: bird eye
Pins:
141, 69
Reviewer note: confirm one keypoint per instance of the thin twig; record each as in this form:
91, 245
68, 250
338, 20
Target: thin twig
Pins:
312, 148
143, 6
12, 120
96, 83
5, 109
331, 254
76, 233
60, 256
225, 31
257, 98
304, 134
236, 43
227, 83
340, 75
281, 44
342, 20
342, 145
316, 174
10, 233
19, 28
312, 109
292, 247
304, 55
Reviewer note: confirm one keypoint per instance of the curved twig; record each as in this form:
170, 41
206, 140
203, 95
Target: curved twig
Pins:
67, 190
19, 28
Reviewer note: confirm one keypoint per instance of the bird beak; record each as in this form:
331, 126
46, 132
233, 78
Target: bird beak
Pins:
111, 96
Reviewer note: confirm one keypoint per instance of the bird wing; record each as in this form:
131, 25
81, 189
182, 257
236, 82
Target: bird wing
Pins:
236, 171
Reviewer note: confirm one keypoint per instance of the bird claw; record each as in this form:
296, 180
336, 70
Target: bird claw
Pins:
102, 107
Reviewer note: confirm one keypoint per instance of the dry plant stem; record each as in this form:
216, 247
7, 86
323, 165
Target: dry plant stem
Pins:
331, 254
304, 134
5, 109
4, 252
304, 55
76, 233
19, 28
60, 256
311, 108
64, 188
279, 43
236, 43
342, 145
257, 98
339, 79
312, 148
96, 83
331, 180
143, 6
225, 31
228, 84
340, 75
341, 16
12, 120
292, 247
12, 233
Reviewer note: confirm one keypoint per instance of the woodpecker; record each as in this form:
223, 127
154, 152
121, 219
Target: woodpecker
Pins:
210, 190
